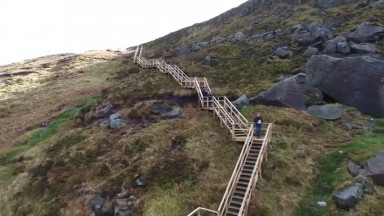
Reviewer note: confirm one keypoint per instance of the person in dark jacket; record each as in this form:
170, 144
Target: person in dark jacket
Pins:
257, 124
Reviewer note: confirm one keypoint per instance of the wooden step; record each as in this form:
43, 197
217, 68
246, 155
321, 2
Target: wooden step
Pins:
241, 188
238, 203
232, 212
233, 209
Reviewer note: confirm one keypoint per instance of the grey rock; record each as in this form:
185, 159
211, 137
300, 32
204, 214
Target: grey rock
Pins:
202, 44
366, 32
241, 102
363, 48
139, 182
97, 204
343, 47
315, 33
279, 31
206, 61
125, 205
311, 51
159, 108
185, 50
105, 110
195, 47
174, 113
283, 52
239, 37
353, 81
352, 126
353, 168
376, 3
327, 111
218, 39
366, 182
324, 4
331, 46
292, 92
374, 168
116, 121
349, 197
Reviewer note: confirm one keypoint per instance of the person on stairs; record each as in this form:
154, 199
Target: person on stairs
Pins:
257, 124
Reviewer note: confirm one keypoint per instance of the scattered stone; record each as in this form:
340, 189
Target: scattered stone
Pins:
139, 182
362, 48
283, 52
349, 197
206, 61
366, 32
351, 126
107, 107
269, 36
353, 168
218, 39
374, 168
293, 92
202, 44
125, 205
116, 121
241, 102
361, 78
239, 37
327, 111
311, 51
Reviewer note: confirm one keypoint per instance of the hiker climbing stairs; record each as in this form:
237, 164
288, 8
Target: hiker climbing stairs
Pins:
248, 167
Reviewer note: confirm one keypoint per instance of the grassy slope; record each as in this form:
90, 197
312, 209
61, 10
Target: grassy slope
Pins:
68, 162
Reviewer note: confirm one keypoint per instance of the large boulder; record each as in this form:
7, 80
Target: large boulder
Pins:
324, 4
366, 32
353, 81
353, 168
331, 46
362, 48
349, 197
314, 33
374, 168
327, 111
292, 92
241, 102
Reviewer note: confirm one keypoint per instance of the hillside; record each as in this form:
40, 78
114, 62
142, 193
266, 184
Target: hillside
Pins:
82, 130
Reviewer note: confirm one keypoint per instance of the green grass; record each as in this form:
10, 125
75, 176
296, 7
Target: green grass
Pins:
42, 134
329, 178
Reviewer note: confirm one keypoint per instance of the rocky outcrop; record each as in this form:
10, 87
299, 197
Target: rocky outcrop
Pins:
324, 4
241, 102
327, 111
125, 205
292, 92
218, 39
353, 81
374, 168
332, 46
349, 197
366, 32
313, 34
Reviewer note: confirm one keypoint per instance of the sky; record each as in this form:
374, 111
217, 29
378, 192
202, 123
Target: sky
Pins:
34, 28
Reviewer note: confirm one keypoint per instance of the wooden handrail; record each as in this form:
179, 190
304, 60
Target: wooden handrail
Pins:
199, 209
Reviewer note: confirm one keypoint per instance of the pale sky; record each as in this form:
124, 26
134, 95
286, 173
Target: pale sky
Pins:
33, 28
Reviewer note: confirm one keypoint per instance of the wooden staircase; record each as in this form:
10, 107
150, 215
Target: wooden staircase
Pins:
248, 167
